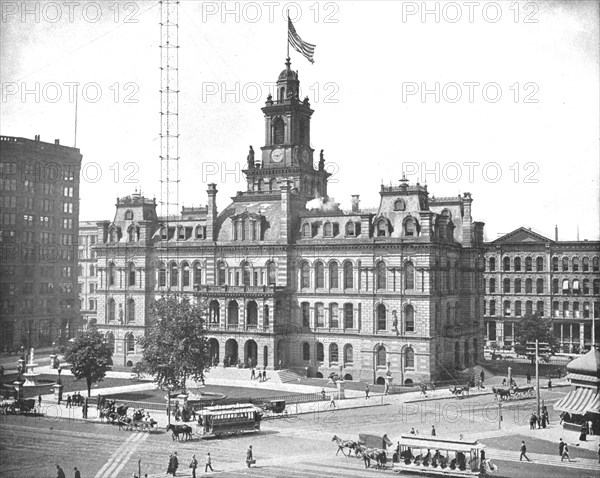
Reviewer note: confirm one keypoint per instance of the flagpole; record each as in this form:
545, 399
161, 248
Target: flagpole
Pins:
288, 35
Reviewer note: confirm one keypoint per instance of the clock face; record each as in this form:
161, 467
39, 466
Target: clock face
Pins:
277, 155
305, 155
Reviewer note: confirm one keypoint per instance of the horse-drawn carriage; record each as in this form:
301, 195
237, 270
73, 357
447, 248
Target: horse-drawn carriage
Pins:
460, 391
513, 392
371, 448
118, 415
21, 406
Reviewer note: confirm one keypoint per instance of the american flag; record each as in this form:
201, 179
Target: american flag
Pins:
307, 49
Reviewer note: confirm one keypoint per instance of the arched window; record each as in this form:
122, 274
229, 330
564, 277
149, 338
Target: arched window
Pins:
586, 286
506, 286
130, 343
306, 230
110, 341
399, 205
348, 316
555, 264
409, 318
528, 307
197, 273
565, 264
163, 233
334, 314
410, 229
272, 273
409, 358
112, 271
246, 274
506, 306
266, 316
328, 229
492, 264
575, 264
174, 270
506, 264
320, 352
409, 275
382, 228
517, 264
492, 307
333, 353
162, 275
131, 236
112, 310
278, 131
381, 356
320, 275
539, 286
180, 233
129, 215
320, 314
381, 275
334, 276
221, 273
539, 264
492, 286
586, 264
185, 274
381, 317
214, 312
528, 264
350, 228
348, 354
199, 232
517, 286
131, 273
518, 311
595, 264
348, 275
92, 271
565, 285
252, 314
529, 286
305, 275
131, 310
305, 351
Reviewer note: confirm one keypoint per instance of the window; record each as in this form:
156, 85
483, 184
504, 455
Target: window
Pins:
565, 309
67, 207
506, 286
586, 286
518, 308
306, 230
162, 275
129, 215
506, 307
409, 275
596, 286
528, 264
399, 205
333, 275
586, 264
381, 317
492, 286
517, 286
409, 358
555, 264
320, 314
328, 230
565, 286
130, 344
186, 274
348, 354
278, 131
555, 286
492, 307
595, 264
586, 310
174, 275
409, 318
350, 229
272, 273
575, 264
539, 286
540, 308
320, 352
305, 351
381, 275
517, 264
334, 316
528, 286
200, 233
565, 264
348, 316
410, 228
539, 264
131, 310
305, 309
164, 235
68, 191
506, 264
69, 173
221, 273
305, 275
111, 309
381, 356
381, 228
576, 310
333, 353
528, 307
348, 276
492, 264
246, 280
320, 275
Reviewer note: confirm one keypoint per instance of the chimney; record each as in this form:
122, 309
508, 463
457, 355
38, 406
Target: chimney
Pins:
467, 220
211, 207
286, 213
37, 137
556, 233
57, 141
355, 203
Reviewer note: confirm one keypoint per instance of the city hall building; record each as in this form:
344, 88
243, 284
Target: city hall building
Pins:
290, 280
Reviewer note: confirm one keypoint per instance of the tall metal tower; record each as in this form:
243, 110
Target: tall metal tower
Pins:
169, 113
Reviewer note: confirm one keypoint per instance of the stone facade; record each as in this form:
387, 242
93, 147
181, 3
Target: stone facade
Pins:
87, 274
526, 273
39, 194
289, 279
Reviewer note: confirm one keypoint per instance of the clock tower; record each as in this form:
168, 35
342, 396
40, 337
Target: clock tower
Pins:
287, 153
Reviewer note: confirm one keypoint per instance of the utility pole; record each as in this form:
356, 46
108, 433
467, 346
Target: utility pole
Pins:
537, 375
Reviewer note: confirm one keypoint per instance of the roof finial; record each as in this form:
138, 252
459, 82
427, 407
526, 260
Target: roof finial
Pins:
288, 62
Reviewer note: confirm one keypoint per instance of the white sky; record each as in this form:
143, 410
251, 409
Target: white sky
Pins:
367, 55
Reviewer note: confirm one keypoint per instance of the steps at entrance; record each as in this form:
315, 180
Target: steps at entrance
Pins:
287, 376
219, 374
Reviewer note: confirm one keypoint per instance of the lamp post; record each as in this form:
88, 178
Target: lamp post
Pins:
499, 414
165, 368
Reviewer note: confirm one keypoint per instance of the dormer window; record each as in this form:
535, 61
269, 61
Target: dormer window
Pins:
382, 229
328, 229
181, 233
399, 205
200, 232
350, 229
129, 215
409, 228
163, 233
306, 230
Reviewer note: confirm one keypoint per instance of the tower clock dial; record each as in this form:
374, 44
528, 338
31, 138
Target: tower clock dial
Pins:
277, 155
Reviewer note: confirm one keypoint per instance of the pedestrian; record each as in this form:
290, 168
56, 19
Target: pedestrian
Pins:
528, 377
523, 452
59, 472
412, 431
590, 427
40, 402
323, 394
504, 381
77, 473
208, 463
549, 384
332, 402
532, 421
170, 465
250, 457
543, 420
194, 465
598, 452
583, 434
252, 374
68, 401
482, 377
565, 453
265, 374
432, 430
561, 446
562, 417
280, 365
175, 463
366, 392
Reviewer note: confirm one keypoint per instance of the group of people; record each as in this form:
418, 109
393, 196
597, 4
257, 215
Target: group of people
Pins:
173, 464
75, 400
262, 376
60, 473
541, 420
183, 414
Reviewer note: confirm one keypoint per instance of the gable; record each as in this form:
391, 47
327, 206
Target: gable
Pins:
522, 235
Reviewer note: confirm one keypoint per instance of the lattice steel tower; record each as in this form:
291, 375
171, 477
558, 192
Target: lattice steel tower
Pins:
169, 113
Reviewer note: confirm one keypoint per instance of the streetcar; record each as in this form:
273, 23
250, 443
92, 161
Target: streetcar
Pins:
224, 420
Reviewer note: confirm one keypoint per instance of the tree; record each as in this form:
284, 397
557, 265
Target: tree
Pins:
532, 327
175, 345
90, 358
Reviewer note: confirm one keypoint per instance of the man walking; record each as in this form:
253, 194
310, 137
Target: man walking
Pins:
482, 376
561, 447
366, 392
528, 377
59, 472
565, 453
432, 430
523, 452
175, 463
77, 473
208, 463
249, 456
252, 374
194, 465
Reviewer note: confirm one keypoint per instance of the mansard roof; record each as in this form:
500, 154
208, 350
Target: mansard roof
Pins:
269, 210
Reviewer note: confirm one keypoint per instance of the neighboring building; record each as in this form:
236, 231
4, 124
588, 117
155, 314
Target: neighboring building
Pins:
290, 279
87, 275
39, 193
527, 273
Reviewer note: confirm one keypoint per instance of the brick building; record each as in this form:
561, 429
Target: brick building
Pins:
39, 193
288, 278
86, 274
527, 273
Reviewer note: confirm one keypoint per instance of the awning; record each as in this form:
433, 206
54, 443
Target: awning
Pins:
579, 401
583, 378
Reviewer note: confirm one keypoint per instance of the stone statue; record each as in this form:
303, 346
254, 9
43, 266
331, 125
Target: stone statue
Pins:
121, 313
251, 158
31, 355
321, 161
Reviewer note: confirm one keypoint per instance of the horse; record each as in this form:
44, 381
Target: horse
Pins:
184, 430
459, 391
501, 393
375, 454
350, 444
